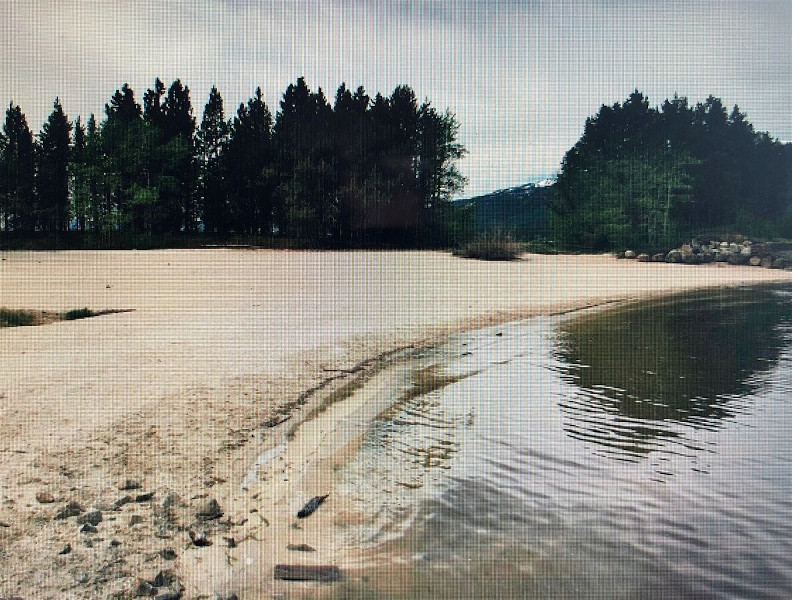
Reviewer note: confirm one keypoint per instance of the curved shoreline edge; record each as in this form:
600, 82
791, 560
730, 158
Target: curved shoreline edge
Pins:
348, 388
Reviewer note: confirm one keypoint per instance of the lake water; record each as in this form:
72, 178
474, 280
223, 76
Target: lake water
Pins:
642, 452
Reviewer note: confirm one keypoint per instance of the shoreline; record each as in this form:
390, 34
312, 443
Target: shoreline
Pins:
191, 440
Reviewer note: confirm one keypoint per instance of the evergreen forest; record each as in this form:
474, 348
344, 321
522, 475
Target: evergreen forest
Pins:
362, 171
381, 171
646, 178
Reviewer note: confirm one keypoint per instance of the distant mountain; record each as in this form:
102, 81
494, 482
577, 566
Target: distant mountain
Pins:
520, 211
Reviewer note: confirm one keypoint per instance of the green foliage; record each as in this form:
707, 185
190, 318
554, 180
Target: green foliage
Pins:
17, 184
78, 313
491, 246
644, 178
16, 318
359, 171
52, 213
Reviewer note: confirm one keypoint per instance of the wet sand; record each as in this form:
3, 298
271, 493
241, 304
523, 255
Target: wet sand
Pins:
211, 369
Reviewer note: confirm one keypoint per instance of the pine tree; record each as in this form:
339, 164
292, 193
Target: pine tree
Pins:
19, 199
53, 171
79, 177
210, 141
248, 162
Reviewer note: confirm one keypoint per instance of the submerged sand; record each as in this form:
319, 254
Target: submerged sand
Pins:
216, 363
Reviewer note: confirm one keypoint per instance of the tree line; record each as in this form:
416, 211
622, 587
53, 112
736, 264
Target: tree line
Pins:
358, 171
644, 177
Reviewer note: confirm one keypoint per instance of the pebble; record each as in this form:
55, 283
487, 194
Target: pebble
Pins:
199, 539
88, 528
72, 509
168, 554
66, 549
129, 484
45, 498
143, 588
146, 497
122, 502
209, 510
92, 516
136, 520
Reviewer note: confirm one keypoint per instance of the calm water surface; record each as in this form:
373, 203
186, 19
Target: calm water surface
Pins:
642, 452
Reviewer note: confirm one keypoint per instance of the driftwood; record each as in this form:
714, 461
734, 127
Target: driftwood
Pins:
324, 573
311, 506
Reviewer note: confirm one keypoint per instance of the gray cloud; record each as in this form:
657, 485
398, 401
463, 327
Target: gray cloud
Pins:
521, 76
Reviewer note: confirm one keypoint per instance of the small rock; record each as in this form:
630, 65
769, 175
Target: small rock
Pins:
136, 520
746, 251
658, 257
143, 588
88, 528
129, 484
122, 502
754, 262
209, 510
164, 578
114, 543
674, 256
92, 516
300, 548
146, 497
230, 542
66, 549
72, 509
168, 595
766, 262
45, 498
199, 539
168, 554
311, 506
643, 257
630, 254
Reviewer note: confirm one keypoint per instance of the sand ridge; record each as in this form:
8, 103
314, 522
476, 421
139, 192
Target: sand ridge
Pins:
184, 393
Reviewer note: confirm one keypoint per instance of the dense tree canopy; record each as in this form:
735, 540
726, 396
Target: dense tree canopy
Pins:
353, 172
643, 177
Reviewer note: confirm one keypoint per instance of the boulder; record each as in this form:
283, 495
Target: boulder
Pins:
658, 257
630, 254
755, 261
643, 257
780, 263
766, 262
737, 259
674, 256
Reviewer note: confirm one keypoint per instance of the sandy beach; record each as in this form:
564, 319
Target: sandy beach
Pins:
222, 355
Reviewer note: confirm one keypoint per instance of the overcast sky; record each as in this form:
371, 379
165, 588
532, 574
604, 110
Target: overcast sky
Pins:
521, 77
